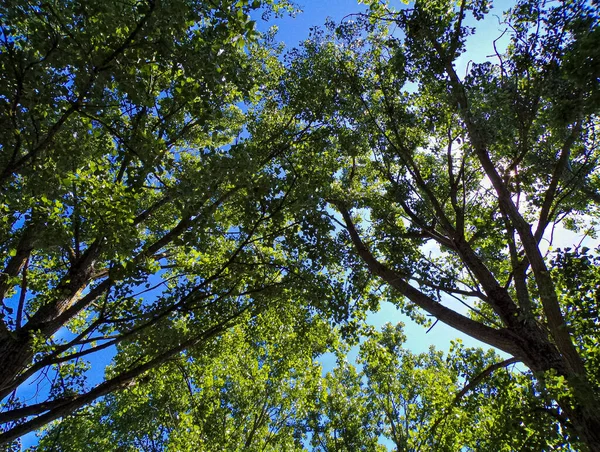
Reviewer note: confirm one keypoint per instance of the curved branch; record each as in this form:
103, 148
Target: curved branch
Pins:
501, 339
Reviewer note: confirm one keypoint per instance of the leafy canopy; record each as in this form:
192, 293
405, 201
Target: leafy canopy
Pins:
171, 189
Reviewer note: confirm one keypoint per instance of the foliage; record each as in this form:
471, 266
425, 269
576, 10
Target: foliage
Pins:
243, 391
446, 186
467, 400
577, 276
262, 390
211, 216
140, 219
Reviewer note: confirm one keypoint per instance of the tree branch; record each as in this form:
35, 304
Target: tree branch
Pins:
543, 280
501, 339
472, 384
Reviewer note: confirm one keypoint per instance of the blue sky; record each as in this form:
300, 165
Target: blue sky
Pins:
293, 30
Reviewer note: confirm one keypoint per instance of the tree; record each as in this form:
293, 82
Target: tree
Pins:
446, 187
368, 169
467, 400
258, 387
245, 391
137, 217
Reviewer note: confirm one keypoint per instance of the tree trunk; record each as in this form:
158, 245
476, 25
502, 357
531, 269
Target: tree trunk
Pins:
15, 355
582, 408
585, 420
